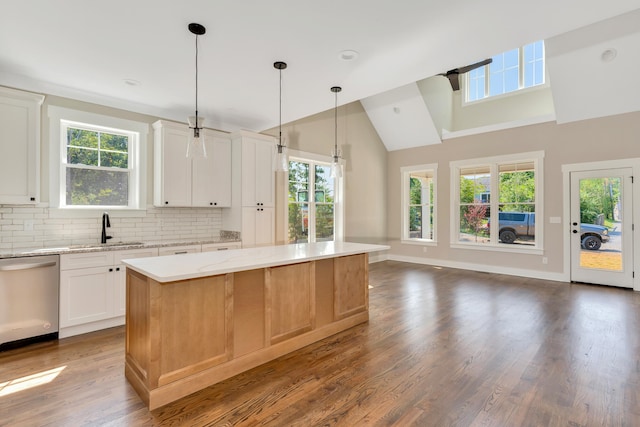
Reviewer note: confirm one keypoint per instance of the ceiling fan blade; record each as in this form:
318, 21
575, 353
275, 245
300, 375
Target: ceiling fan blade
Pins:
468, 68
454, 80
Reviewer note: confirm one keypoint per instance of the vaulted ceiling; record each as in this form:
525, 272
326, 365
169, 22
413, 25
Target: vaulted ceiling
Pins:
94, 51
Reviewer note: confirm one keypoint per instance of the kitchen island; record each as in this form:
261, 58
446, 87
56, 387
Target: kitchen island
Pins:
193, 320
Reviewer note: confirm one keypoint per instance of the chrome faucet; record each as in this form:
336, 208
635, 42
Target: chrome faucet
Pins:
105, 223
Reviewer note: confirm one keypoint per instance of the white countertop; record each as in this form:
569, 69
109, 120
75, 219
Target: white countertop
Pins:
189, 266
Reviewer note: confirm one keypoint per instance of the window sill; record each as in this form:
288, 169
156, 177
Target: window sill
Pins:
520, 249
419, 242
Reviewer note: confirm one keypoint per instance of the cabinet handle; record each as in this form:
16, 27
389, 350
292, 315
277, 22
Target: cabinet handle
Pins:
118, 269
111, 269
33, 199
222, 249
215, 203
180, 253
166, 203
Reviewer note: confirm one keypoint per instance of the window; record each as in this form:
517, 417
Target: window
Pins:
96, 164
508, 72
312, 202
418, 203
503, 190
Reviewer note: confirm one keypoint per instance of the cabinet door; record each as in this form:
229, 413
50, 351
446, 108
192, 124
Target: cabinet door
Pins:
258, 227
175, 168
257, 173
120, 272
19, 146
86, 295
211, 184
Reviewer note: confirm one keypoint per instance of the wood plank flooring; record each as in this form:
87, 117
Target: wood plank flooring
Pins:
443, 347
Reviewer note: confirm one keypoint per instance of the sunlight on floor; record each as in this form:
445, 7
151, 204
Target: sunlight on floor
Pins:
30, 381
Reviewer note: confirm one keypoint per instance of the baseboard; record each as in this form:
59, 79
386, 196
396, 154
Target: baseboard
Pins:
70, 331
535, 274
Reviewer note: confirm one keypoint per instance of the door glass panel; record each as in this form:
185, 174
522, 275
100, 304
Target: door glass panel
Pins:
324, 199
601, 223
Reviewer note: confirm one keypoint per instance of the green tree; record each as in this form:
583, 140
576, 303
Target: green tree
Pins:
517, 191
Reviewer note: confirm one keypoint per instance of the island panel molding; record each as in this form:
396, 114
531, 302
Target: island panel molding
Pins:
187, 334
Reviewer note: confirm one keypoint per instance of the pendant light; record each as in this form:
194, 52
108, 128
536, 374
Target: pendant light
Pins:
281, 163
336, 163
195, 145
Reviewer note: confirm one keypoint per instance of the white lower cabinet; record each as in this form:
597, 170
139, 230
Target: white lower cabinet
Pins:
92, 290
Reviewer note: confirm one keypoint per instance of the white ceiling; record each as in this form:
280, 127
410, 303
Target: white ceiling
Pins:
86, 49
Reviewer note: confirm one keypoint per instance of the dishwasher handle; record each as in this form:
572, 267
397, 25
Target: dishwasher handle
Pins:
29, 266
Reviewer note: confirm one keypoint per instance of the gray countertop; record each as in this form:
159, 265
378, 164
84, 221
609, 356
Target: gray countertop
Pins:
111, 246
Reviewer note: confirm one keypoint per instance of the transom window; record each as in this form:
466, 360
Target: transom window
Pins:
503, 190
312, 202
508, 72
418, 203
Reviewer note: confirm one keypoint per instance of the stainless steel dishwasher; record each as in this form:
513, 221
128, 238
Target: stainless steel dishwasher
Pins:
29, 289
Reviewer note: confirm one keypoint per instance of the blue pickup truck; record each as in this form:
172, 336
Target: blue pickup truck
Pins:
522, 226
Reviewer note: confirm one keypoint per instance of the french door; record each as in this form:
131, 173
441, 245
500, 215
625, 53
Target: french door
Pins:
602, 227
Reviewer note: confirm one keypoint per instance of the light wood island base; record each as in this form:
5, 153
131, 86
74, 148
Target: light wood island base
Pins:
183, 336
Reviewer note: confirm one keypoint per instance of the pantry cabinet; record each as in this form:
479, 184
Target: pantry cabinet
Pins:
253, 200
183, 182
19, 146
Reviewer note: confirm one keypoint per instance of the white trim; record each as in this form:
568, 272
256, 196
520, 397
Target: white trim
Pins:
56, 116
499, 126
633, 163
404, 188
338, 198
484, 268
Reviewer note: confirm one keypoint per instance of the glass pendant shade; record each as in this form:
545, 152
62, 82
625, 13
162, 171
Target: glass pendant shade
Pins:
281, 162
336, 165
195, 146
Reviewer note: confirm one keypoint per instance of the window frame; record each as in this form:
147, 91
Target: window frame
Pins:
338, 199
405, 173
494, 162
521, 78
63, 118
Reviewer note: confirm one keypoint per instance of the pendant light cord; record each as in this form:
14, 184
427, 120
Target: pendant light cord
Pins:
196, 124
336, 127
280, 119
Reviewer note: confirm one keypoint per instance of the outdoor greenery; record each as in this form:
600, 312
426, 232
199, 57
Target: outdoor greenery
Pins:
97, 168
416, 207
299, 202
599, 196
516, 193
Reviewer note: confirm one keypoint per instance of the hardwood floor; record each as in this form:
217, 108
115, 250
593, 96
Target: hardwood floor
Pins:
443, 347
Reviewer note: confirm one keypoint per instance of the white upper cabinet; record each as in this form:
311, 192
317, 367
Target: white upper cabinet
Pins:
180, 181
19, 146
258, 187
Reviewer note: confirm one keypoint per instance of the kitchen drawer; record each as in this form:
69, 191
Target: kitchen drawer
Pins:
177, 250
134, 253
86, 260
210, 247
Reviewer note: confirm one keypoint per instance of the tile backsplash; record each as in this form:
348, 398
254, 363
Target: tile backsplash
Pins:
34, 227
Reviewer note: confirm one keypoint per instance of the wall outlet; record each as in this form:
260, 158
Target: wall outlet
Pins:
545, 260
28, 225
